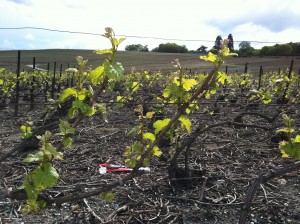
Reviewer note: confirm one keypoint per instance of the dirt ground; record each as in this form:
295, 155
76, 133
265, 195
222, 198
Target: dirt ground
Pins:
225, 161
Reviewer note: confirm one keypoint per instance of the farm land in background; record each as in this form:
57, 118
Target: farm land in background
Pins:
224, 161
143, 61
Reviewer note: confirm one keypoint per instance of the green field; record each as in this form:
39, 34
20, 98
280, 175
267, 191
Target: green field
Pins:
151, 61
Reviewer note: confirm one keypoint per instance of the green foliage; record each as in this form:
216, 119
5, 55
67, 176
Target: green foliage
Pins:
26, 129
136, 47
105, 76
278, 50
185, 123
7, 83
84, 103
160, 124
96, 75
133, 153
290, 148
66, 131
43, 176
171, 48
107, 196
218, 59
202, 49
245, 49
276, 86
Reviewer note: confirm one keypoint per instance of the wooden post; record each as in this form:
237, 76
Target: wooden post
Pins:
72, 80
18, 84
259, 78
289, 75
68, 84
47, 85
32, 86
59, 81
53, 81
291, 68
298, 76
246, 68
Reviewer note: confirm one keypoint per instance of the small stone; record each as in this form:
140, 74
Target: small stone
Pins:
282, 181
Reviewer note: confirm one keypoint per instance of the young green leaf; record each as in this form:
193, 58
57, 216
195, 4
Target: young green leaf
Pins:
150, 114
67, 93
186, 123
210, 57
67, 141
84, 108
34, 157
65, 127
290, 149
149, 136
156, 151
106, 51
114, 72
52, 151
96, 75
81, 94
297, 139
189, 83
45, 176
160, 124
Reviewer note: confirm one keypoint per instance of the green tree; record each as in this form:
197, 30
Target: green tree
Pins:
265, 50
277, 50
136, 47
202, 49
171, 48
282, 50
218, 43
296, 48
230, 43
245, 48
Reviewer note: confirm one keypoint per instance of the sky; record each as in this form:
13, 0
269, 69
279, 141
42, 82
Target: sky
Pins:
147, 22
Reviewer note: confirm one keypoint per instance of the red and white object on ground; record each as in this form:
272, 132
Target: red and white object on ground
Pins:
111, 168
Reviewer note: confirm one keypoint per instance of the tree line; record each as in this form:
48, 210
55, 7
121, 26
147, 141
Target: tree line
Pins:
245, 48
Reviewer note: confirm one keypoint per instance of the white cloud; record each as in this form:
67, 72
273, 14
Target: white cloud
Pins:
25, 2
7, 45
29, 36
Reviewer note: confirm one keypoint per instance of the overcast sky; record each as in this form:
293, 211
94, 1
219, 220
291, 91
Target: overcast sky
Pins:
194, 22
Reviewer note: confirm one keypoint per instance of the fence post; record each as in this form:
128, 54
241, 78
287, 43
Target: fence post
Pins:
53, 81
72, 80
291, 68
289, 75
246, 68
59, 81
68, 79
260, 75
298, 76
47, 85
32, 86
18, 84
